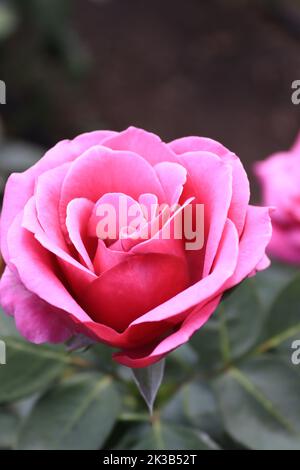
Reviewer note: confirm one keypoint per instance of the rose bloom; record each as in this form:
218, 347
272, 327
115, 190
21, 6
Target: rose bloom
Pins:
279, 176
143, 297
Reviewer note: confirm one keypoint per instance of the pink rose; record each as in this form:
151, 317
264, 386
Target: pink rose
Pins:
280, 179
145, 297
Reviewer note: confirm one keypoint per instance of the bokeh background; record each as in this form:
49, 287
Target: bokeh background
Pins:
216, 68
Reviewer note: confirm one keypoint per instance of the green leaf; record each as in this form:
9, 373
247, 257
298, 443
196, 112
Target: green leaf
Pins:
100, 355
260, 404
233, 329
162, 436
79, 413
9, 423
29, 368
195, 404
148, 381
185, 357
272, 281
282, 324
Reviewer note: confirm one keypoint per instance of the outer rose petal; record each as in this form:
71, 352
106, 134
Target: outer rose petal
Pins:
144, 143
256, 237
194, 144
89, 139
191, 324
47, 195
263, 264
240, 192
36, 270
215, 193
20, 186
9, 291
241, 188
36, 320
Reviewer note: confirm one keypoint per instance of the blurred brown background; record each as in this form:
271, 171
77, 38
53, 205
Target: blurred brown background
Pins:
216, 68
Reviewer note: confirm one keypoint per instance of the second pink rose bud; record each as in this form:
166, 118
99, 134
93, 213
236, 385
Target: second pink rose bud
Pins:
279, 176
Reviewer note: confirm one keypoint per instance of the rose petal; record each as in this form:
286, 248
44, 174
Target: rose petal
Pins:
142, 282
256, 237
20, 186
149, 203
191, 324
164, 240
78, 215
144, 143
207, 288
77, 274
36, 320
89, 139
155, 324
240, 182
106, 258
240, 192
124, 172
9, 291
37, 271
30, 220
193, 144
47, 195
263, 264
121, 211
172, 177
215, 193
